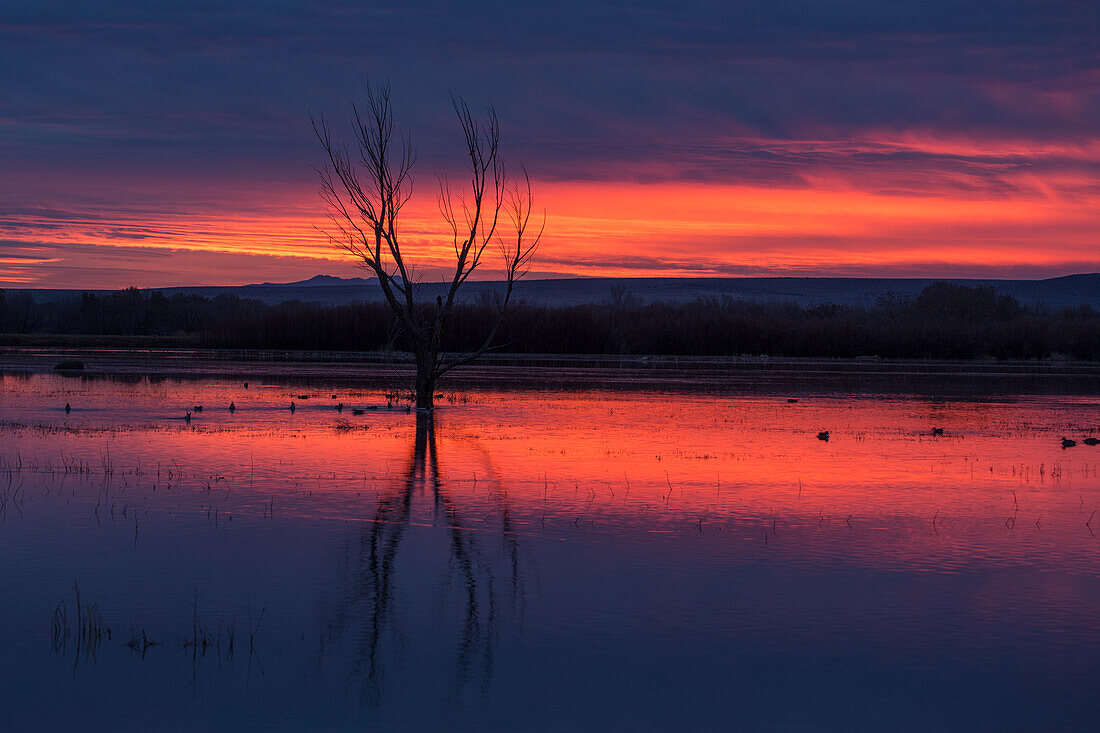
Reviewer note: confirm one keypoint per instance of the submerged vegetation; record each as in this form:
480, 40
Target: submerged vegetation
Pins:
945, 321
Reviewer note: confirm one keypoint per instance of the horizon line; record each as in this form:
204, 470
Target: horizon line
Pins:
563, 278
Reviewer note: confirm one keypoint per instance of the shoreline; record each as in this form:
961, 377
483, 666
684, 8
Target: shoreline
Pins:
751, 374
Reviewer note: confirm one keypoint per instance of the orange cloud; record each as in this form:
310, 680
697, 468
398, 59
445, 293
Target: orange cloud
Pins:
832, 222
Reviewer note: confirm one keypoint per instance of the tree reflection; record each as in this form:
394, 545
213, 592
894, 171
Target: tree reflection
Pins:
370, 613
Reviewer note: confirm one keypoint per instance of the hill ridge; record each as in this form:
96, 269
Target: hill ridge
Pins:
1062, 291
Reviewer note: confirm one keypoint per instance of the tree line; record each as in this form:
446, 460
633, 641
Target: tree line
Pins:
129, 312
945, 321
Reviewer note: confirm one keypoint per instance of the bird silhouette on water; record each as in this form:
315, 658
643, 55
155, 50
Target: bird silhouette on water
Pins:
1067, 443
937, 431
198, 408
823, 435
292, 407
339, 406
187, 418
1091, 441
232, 407
68, 408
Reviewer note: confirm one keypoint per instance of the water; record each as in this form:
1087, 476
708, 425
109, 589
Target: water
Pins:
565, 558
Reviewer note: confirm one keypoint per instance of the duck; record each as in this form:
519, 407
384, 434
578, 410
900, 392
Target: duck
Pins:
937, 431
357, 412
823, 435
791, 400
1091, 441
1067, 443
246, 385
198, 408
68, 408
292, 407
232, 407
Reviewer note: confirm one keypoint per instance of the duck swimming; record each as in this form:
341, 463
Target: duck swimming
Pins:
823, 435
1067, 443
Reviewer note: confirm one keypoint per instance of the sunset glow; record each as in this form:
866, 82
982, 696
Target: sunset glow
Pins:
623, 229
687, 149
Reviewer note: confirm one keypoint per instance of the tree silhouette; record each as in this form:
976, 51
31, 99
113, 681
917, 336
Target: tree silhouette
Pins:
365, 194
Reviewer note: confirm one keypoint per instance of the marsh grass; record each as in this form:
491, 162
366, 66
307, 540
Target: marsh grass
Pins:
88, 633
84, 635
343, 426
139, 643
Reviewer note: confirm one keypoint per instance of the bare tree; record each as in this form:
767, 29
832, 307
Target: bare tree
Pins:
365, 192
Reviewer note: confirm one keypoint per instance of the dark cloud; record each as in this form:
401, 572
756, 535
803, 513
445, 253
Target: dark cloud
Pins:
228, 84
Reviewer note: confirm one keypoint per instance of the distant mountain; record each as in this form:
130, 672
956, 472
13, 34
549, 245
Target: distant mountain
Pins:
1056, 292
316, 281
324, 289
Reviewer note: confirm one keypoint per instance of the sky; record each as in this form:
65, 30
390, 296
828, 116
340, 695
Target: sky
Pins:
169, 143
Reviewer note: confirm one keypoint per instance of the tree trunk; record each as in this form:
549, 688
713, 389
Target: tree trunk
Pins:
423, 448
425, 380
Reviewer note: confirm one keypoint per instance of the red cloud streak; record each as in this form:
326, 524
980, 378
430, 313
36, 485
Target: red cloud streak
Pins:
884, 217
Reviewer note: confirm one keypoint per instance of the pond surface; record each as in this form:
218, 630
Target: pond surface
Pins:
567, 559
